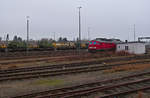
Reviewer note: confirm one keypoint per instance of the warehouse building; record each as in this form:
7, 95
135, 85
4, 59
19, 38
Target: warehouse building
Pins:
132, 47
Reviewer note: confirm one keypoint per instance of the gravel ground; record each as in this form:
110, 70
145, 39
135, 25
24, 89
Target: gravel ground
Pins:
9, 88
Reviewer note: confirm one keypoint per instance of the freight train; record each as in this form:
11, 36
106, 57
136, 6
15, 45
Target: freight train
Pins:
21, 46
102, 44
69, 45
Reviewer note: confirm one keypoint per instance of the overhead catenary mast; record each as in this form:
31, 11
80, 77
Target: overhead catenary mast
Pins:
79, 27
134, 33
27, 34
54, 36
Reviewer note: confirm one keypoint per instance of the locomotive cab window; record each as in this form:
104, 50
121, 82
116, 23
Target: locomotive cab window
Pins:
90, 43
94, 43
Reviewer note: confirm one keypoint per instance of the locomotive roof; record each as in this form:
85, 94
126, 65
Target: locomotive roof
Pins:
108, 40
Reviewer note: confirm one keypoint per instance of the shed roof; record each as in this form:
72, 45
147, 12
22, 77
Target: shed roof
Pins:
133, 42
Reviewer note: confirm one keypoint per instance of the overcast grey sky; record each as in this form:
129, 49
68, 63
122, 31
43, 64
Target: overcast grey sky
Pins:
106, 18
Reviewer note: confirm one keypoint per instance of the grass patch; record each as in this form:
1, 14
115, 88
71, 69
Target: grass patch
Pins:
49, 82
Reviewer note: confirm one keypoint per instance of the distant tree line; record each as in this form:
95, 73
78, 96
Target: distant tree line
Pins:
17, 42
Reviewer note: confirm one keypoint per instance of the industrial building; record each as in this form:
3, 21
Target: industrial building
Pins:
132, 47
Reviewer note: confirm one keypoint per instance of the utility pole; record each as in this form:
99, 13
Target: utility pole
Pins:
88, 33
7, 39
6, 43
134, 33
27, 48
79, 27
54, 36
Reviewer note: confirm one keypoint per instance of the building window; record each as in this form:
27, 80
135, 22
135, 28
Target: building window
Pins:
126, 48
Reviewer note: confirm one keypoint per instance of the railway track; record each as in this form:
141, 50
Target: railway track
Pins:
70, 69
22, 55
49, 57
39, 59
36, 56
104, 88
85, 63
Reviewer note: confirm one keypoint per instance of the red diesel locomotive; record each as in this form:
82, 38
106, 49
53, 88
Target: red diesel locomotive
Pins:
100, 44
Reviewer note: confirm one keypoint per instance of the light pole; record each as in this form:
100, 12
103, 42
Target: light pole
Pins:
27, 33
79, 27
